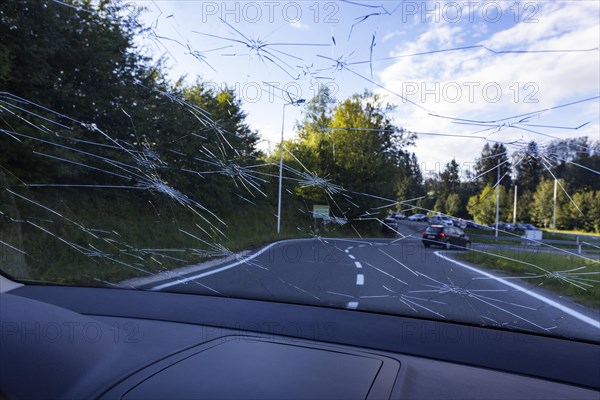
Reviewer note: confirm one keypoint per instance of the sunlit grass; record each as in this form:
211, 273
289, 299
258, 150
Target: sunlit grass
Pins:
566, 235
517, 263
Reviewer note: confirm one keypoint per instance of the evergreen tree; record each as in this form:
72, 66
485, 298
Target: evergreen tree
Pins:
486, 166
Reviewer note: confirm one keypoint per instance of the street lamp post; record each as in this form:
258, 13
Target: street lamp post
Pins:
295, 103
497, 199
554, 208
515, 207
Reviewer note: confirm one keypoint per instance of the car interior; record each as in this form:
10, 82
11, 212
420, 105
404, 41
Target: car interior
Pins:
74, 342
342, 199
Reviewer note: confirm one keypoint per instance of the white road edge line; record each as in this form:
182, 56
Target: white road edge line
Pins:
352, 305
358, 264
565, 309
214, 271
360, 279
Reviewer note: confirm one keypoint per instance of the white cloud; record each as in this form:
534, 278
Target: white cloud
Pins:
299, 25
392, 35
551, 78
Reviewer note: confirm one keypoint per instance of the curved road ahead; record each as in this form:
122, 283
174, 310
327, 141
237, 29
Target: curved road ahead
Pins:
396, 276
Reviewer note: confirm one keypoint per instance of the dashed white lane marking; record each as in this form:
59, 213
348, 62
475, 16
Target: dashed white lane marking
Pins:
573, 313
360, 279
351, 257
350, 247
358, 264
361, 245
352, 305
346, 251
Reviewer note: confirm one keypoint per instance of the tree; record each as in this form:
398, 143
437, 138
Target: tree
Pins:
453, 204
314, 134
440, 205
354, 144
586, 216
486, 166
524, 206
483, 206
450, 178
528, 167
431, 190
410, 181
80, 62
204, 137
542, 211
577, 161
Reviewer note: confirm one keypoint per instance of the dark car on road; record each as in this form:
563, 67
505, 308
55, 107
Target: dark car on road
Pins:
503, 226
389, 225
446, 236
526, 227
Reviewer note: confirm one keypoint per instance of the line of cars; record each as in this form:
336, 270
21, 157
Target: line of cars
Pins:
440, 219
443, 230
447, 231
392, 220
505, 226
390, 223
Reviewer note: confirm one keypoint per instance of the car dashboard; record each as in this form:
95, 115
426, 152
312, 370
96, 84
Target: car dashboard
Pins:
72, 342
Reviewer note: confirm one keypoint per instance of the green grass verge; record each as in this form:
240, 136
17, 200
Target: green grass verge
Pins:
494, 241
489, 238
522, 264
133, 239
568, 235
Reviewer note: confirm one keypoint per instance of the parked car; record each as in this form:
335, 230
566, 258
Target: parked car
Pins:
461, 223
504, 226
519, 227
473, 224
446, 236
529, 227
418, 217
399, 216
441, 220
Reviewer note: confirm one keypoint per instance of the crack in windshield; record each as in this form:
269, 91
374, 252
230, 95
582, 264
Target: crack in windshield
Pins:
145, 145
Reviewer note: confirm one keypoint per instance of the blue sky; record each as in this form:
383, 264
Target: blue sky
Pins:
380, 46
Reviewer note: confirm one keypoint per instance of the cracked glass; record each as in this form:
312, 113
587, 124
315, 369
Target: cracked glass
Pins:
298, 151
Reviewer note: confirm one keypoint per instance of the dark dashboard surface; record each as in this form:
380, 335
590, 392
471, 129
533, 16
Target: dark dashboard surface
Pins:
65, 342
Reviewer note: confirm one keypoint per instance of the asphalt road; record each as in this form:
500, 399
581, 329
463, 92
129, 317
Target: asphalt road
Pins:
397, 276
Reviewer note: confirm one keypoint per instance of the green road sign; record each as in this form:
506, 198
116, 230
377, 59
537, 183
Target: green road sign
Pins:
320, 211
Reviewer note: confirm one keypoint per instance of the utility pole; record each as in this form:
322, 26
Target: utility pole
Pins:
554, 213
295, 103
280, 169
497, 199
515, 207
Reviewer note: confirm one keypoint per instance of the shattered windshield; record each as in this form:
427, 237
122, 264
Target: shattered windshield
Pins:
296, 151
